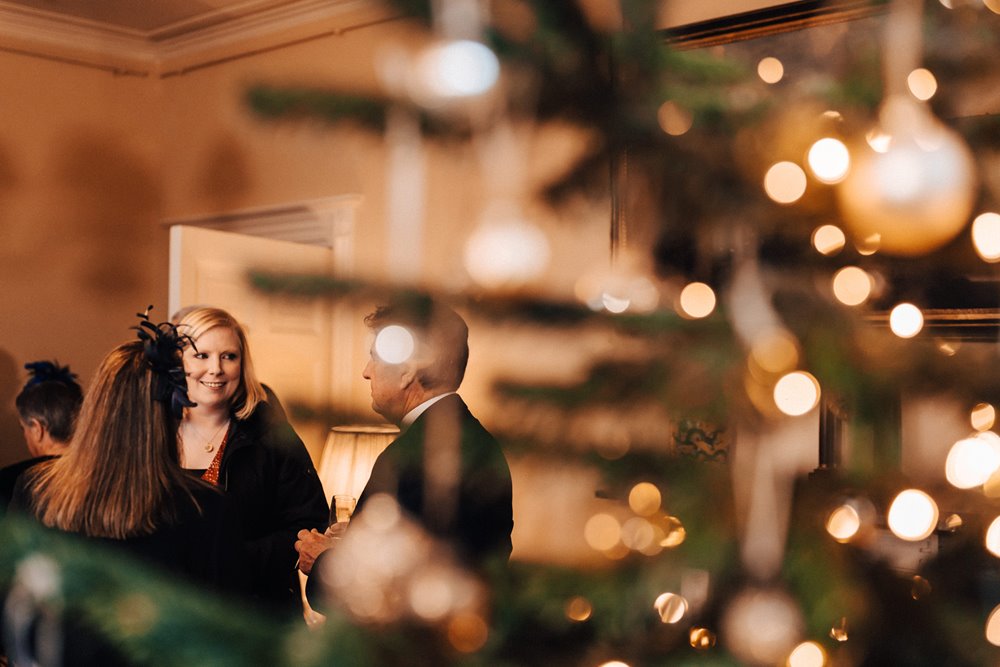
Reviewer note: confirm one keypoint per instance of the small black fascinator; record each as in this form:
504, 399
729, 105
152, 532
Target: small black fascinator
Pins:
49, 371
163, 344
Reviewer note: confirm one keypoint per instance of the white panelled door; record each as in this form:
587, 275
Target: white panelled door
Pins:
291, 340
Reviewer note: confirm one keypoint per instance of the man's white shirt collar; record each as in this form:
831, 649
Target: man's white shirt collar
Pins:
412, 415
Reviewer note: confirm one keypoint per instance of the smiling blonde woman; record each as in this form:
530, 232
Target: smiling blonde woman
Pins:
236, 437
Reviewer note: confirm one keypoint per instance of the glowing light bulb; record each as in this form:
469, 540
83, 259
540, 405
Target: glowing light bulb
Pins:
906, 320
852, 285
843, 523
913, 515
394, 344
785, 182
461, 68
770, 70
971, 461
697, 300
986, 236
829, 160
796, 393
922, 84
828, 239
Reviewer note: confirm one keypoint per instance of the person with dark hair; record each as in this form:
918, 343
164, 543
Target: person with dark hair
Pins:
47, 407
120, 483
445, 469
233, 438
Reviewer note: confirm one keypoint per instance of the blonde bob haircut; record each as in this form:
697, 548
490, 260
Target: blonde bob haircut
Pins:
197, 320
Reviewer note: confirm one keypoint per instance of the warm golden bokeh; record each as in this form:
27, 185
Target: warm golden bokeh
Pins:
906, 320
852, 285
770, 70
829, 160
828, 239
671, 607
796, 393
785, 182
912, 515
644, 499
697, 300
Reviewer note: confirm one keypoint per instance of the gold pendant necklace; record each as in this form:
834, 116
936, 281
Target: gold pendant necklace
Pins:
209, 446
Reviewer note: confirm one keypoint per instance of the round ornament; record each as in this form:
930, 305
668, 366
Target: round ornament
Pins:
915, 191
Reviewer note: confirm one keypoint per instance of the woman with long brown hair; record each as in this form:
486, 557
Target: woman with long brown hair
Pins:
120, 481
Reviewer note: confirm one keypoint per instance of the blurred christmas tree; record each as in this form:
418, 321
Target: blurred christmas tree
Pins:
790, 192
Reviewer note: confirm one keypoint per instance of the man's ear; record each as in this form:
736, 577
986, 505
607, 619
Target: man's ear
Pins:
408, 376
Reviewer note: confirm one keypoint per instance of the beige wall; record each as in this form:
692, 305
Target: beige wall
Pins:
79, 199
91, 163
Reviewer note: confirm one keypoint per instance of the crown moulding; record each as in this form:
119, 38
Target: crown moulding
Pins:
218, 35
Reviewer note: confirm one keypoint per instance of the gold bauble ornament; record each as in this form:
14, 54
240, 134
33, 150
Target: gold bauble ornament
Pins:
912, 186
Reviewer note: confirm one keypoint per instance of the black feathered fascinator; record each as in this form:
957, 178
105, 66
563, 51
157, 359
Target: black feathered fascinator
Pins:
162, 345
49, 371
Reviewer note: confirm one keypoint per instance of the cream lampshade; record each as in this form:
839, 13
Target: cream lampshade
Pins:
348, 457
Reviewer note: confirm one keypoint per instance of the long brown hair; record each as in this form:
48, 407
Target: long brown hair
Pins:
120, 476
197, 320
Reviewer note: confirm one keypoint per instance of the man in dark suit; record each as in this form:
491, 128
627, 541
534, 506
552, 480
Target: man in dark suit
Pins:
445, 470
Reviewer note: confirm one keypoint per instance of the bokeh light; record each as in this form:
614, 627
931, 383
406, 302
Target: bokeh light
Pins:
986, 236
614, 663
796, 393
674, 119
579, 609
697, 300
868, 245
839, 631
971, 461
829, 160
394, 344
912, 515
671, 607
992, 5
922, 84
761, 626
993, 537
775, 351
983, 416
467, 632
770, 70
674, 532
644, 499
701, 639
602, 532
919, 587
638, 534
828, 239
807, 654
506, 253
843, 523
852, 285
785, 182
460, 68
906, 320
993, 621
